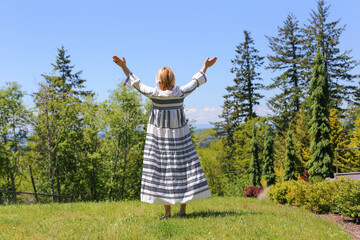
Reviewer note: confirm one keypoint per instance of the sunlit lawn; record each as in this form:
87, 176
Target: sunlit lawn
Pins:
212, 218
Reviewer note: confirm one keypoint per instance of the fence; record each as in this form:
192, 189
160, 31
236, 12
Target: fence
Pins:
12, 197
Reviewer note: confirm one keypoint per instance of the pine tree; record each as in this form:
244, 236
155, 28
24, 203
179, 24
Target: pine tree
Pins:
59, 128
320, 163
325, 35
66, 81
290, 159
255, 172
268, 154
240, 102
287, 59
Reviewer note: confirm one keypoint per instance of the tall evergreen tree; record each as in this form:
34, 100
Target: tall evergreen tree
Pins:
59, 128
66, 80
255, 171
268, 154
290, 159
325, 36
287, 60
240, 102
320, 163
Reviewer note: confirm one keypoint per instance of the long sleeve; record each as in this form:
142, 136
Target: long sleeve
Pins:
133, 81
197, 80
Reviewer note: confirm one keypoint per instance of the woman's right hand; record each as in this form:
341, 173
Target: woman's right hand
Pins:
208, 63
119, 61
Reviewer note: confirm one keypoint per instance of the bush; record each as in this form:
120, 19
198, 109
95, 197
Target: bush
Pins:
253, 191
236, 186
341, 195
278, 192
320, 197
347, 199
296, 193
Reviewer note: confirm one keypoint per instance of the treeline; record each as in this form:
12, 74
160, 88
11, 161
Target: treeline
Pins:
70, 144
314, 109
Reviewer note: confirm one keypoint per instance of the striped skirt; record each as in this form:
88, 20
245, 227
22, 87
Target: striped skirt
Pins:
171, 168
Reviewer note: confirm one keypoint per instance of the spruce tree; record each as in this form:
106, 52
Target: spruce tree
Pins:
287, 60
268, 154
290, 159
243, 96
320, 164
255, 172
66, 81
325, 35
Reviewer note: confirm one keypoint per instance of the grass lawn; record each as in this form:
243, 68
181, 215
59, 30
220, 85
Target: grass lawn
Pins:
211, 218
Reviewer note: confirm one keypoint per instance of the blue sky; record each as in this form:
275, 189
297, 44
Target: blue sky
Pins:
150, 34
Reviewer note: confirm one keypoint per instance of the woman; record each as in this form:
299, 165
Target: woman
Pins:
172, 173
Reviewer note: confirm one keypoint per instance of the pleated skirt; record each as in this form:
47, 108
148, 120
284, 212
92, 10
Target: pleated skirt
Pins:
171, 171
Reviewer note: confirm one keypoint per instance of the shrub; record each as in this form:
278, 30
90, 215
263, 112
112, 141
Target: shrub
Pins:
278, 192
347, 199
320, 197
235, 187
296, 194
253, 191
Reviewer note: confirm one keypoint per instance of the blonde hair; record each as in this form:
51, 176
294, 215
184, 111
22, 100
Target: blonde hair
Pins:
167, 77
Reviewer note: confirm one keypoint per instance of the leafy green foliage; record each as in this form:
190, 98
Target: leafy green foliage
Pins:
347, 198
342, 195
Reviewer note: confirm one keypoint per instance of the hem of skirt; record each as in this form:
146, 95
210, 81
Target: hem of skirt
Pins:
165, 201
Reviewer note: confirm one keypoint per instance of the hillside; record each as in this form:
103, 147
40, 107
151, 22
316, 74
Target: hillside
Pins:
212, 218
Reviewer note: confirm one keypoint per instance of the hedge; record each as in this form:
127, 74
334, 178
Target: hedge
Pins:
341, 196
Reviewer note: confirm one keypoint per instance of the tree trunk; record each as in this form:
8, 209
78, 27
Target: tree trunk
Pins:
56, 170
124, 170
49, 154
114, 170
12, 177
33, 184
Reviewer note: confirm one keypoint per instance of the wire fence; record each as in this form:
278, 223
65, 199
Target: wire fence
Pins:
14, 197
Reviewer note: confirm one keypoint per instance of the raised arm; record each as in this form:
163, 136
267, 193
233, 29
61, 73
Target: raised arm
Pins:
133, 81
199, 78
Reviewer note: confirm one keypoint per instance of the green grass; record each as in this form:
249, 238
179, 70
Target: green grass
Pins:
211, 218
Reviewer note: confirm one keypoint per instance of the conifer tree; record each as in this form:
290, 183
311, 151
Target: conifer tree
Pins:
290, 159
243, 96
255, 172
66, 81
325, 35
268, 154
287, 60
320, 163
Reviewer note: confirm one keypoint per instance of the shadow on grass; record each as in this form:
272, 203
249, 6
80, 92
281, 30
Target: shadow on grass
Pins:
206, 214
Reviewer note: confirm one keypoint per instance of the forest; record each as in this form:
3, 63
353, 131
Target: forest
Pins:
71, 144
